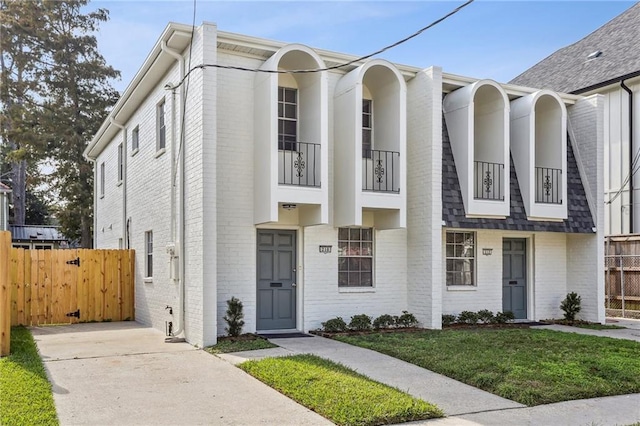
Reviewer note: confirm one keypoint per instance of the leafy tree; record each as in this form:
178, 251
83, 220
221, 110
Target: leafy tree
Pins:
56, 91
20, 29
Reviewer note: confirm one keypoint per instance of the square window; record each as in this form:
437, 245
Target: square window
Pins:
460, 258
355, 257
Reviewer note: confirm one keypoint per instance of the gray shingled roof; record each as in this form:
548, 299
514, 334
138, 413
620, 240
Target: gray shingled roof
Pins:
579, 215
568, 69
35, 233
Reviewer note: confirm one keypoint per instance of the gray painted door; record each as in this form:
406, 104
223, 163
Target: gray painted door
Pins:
276, 279
514, 276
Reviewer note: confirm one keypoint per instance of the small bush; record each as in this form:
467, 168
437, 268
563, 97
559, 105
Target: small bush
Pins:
448, 319
383, 321
234, 317
486, 316
504, 317
406, 320
360, 322
334, 325
468, 317
571, 306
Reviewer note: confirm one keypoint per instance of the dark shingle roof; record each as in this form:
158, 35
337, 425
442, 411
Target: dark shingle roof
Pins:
453, 215
568, 69
35, 233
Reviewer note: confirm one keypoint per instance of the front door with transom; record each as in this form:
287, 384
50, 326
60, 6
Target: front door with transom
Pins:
514, 276
276, 276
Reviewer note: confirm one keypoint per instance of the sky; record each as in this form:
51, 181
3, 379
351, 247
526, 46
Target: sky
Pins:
487, 39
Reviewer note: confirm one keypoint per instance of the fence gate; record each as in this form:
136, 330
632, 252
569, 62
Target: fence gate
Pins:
70, 286
622, 285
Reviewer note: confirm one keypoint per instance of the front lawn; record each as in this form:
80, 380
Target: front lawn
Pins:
337, 392
525, 365
25, 392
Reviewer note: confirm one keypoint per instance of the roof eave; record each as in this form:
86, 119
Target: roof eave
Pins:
151, 69
595, 87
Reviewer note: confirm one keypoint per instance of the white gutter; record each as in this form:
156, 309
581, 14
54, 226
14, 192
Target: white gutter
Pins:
124, 181
179, 249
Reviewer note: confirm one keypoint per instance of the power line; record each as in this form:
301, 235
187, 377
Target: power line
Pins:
334, 67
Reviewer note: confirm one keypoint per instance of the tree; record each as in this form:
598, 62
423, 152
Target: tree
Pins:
20, 28
61, 97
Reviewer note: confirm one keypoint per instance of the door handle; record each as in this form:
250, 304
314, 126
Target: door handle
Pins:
294, 285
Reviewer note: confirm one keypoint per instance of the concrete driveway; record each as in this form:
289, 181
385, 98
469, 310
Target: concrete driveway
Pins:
124, 374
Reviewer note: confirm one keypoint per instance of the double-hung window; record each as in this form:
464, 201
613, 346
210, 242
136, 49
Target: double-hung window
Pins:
460, 258
287, 118
102, 179
135, 140
161, 130
355, 257
120, 163
148, 249
367, 128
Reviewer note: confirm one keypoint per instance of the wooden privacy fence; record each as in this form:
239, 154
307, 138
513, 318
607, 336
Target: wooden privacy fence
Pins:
65, 286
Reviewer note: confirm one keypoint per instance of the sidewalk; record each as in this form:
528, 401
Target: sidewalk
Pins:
465, 405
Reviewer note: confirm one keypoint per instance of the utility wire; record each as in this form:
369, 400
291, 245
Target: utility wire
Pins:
334, 67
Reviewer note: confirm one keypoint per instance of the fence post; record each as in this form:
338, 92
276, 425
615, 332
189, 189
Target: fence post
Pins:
622, 283
5, 293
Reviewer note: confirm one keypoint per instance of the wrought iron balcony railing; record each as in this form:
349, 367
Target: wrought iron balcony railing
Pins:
548, 185
299, 164
488, 183
380, 170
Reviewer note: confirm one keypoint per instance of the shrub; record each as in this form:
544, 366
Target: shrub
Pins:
571, 306
468, 317
486, 316
448, 319
406, 320
334, 325
234, 317
504, 317
383, 321
360, 322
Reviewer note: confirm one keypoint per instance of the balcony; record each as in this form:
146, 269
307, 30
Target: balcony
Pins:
488, 184
548, 185
299, 164
380, 171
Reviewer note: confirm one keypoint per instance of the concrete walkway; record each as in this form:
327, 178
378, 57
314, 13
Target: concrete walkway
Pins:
465, 405
124, 374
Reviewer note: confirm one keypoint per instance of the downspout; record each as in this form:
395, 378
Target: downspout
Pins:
95, 199
631, 156
125, 225
180, 229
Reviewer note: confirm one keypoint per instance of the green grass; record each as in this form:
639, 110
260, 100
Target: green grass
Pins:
525, 365
337, 392
600, 326
25, 392
227, 346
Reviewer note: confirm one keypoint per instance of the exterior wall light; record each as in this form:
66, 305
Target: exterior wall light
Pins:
289, 206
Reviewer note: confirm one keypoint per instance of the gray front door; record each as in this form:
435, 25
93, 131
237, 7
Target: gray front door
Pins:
276, 279
514, 276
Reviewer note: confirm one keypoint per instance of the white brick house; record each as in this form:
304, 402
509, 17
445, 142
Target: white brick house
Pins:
333, 193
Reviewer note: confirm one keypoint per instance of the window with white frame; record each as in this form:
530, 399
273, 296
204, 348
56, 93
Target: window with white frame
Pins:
135, 140
287, 118
460, 258
355, 257
367, 127
161, 130
102, 180
120, 163
148, 254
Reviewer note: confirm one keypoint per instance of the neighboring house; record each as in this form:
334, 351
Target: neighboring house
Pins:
606, 62
37, 237
373, 188
5, 191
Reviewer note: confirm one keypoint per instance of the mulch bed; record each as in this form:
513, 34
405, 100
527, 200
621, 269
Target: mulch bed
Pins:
241, 338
